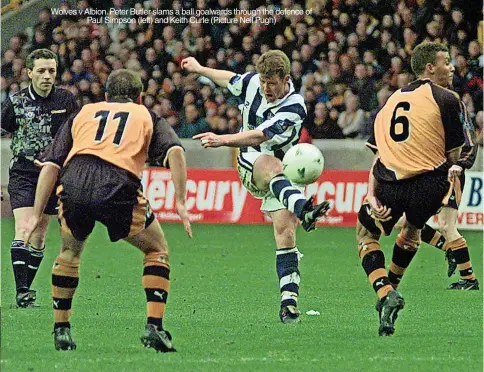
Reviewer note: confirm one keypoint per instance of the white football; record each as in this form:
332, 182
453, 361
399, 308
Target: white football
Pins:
303, 163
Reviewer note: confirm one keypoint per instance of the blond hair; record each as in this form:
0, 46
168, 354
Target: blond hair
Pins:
274, 62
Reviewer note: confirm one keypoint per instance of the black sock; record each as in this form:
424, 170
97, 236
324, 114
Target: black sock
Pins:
20, 257
35, 259
431, 236
400, 260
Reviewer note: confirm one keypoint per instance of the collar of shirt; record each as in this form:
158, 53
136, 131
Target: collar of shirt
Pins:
34, 95
280, 100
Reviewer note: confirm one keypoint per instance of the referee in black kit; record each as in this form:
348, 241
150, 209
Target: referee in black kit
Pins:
33, 116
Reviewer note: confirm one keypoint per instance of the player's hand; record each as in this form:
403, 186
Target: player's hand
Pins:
454, 171
30, 225
182, 212
190, 64
209, 139
379, 212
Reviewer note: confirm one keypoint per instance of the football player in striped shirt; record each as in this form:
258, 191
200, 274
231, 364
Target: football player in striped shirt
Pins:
272, 113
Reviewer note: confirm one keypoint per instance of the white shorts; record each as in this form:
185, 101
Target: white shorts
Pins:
245, 165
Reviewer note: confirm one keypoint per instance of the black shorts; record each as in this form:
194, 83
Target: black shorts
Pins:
22, 183
419, 198
93, 190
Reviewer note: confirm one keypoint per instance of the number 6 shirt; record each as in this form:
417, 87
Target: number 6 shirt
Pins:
415, 129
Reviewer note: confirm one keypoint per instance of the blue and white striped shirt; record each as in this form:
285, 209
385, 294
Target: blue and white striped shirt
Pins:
280, 120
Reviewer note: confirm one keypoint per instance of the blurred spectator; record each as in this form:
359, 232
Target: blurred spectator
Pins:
363, 87
476, 59
191, 123
364, 46
322, 126
352, 120
382, 97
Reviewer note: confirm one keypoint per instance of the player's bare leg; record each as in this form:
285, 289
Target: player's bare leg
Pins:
26, 260
268, 175
287, 260
456, 243
156, 282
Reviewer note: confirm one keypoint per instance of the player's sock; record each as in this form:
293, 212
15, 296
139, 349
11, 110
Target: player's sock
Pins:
404, 251
461, 254
35, 259
20, 258
156, 282
290, 196
433, 237
373, 262
287, 262
65, 278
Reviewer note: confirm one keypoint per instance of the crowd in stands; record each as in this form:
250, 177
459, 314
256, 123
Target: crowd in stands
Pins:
348, 57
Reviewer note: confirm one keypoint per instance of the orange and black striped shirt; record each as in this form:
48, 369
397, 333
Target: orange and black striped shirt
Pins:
415, 129
122, 133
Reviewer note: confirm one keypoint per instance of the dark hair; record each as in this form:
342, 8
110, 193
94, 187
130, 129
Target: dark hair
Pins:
40, 54
425, 53
124, 84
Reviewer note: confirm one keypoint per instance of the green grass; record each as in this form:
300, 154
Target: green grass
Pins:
222, 309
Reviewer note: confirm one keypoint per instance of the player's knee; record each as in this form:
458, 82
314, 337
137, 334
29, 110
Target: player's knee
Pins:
408, 241
266, 168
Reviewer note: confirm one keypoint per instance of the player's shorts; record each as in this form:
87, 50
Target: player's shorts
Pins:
455, 197
419, 198
245, 165
93, 190
22, 183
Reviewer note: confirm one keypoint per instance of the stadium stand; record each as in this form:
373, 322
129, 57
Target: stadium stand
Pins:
347, 57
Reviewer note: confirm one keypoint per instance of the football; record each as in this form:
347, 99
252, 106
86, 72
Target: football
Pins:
303, 163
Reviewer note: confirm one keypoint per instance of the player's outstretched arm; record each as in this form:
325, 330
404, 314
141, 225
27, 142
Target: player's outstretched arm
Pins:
250, 138
220, 77
45, 186
176, 158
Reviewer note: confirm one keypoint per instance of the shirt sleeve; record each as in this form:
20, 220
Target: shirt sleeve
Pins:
469, 150
239, 83
8, 122
453, 118
286, 117
164, 140
58, 150
371, 143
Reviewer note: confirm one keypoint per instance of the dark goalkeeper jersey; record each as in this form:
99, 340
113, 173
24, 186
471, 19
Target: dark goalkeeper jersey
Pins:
34, 121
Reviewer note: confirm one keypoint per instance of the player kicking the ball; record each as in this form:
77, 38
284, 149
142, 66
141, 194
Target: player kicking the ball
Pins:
272, 116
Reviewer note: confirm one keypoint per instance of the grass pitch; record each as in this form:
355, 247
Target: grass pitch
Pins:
223, 305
